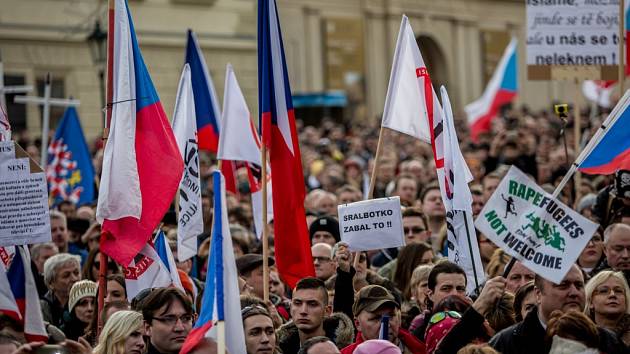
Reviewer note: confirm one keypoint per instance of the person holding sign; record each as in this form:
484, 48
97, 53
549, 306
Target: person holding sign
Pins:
370, 304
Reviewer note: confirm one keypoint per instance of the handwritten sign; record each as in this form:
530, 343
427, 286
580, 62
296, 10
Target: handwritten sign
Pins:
371, 224
572, 32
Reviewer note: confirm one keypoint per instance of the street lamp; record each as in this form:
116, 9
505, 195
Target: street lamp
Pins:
97, 41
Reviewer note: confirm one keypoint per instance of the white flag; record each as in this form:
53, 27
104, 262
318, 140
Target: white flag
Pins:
405, 108
239, 142
146, 271
190, 214
463, 248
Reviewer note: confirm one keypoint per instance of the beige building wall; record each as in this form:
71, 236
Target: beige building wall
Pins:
37, 36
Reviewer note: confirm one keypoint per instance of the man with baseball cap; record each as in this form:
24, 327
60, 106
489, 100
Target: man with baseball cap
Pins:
250, 268
371, 303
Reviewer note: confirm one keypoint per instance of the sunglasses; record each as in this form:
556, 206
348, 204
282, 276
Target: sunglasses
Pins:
414, 230
441, 316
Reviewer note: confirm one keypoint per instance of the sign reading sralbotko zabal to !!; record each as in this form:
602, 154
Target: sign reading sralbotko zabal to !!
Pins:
535, 228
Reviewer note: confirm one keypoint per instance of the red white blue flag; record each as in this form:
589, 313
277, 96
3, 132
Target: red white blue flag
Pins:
19, 292
609, 149
501, 90
221, 301
142, 165
277, 120
207, 109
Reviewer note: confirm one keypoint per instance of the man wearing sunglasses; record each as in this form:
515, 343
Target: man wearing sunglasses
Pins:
370, 305
168, 318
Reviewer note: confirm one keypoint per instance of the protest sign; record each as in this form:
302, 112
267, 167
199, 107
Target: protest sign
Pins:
530, 225
371, 224
572, 33
24, 217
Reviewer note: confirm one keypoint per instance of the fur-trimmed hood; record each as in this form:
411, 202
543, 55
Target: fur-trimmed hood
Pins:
338, 328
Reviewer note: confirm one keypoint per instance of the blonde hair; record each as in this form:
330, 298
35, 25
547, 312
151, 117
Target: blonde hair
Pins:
497, 263
118, 327
419, 274
597, 280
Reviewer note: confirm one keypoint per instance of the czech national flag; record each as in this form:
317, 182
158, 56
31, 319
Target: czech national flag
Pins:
501, 90
292, 245
206, 102
142, 165
69, 171
609, 149
24, 291
221, 291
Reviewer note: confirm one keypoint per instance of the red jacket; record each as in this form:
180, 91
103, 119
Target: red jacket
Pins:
410, 342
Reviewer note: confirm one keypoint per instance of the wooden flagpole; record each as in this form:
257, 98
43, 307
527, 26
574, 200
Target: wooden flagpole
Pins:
375, 164
622, 62
102, 271
577, 132
265, 239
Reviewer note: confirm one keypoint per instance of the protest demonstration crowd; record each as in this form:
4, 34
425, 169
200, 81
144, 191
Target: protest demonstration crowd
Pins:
426, 236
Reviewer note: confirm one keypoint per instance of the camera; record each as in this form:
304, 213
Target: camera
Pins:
562, 110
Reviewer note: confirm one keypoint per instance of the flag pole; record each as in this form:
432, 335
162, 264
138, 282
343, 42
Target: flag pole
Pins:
622, 62
102, 271
470, 250
46, 121
577, 131
221, 337
265, 240
376, 158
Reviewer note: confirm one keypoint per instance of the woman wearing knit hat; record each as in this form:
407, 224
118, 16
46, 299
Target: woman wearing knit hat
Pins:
122, 334
82, 305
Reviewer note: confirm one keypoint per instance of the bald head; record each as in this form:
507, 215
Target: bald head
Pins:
324, 265
617, 246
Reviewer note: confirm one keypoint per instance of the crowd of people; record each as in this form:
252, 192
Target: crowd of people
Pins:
341, 309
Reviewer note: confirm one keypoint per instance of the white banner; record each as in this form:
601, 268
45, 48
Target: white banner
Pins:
530, 225
572, 32
371, 224
190, 212
24, 216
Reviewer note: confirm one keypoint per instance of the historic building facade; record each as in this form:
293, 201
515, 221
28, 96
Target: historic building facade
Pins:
330, 45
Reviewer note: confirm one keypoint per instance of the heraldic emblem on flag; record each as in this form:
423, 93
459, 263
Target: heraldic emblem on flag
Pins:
69, 172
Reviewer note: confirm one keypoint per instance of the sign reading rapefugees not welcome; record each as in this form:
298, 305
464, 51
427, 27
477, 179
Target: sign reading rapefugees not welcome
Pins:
532, 226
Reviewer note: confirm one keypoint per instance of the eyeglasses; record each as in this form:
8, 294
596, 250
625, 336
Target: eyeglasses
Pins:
171, 320
604, 290
321, 259
441, 316
413, 230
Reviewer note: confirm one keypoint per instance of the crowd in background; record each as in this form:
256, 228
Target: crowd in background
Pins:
341, 308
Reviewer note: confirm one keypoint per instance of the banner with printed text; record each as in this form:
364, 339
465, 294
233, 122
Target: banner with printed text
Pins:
535, 228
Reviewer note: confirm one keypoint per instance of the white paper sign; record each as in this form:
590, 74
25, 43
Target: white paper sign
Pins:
530, 225
24, 216
371, 224
572, 32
